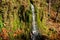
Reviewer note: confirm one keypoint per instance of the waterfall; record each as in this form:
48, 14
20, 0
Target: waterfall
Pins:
35, 35
34, 27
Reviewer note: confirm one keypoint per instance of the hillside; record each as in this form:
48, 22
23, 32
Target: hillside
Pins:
16, 19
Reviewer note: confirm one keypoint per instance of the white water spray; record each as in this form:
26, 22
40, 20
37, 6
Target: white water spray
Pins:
34, 27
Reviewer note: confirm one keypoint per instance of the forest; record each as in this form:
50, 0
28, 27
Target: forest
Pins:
29, 19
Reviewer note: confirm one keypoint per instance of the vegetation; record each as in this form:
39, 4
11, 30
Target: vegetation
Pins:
16, 19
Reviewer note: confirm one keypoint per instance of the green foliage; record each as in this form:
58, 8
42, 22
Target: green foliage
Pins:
1, 23
18, 14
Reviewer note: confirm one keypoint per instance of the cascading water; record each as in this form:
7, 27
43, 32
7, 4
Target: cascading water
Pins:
35, 35
34, 27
